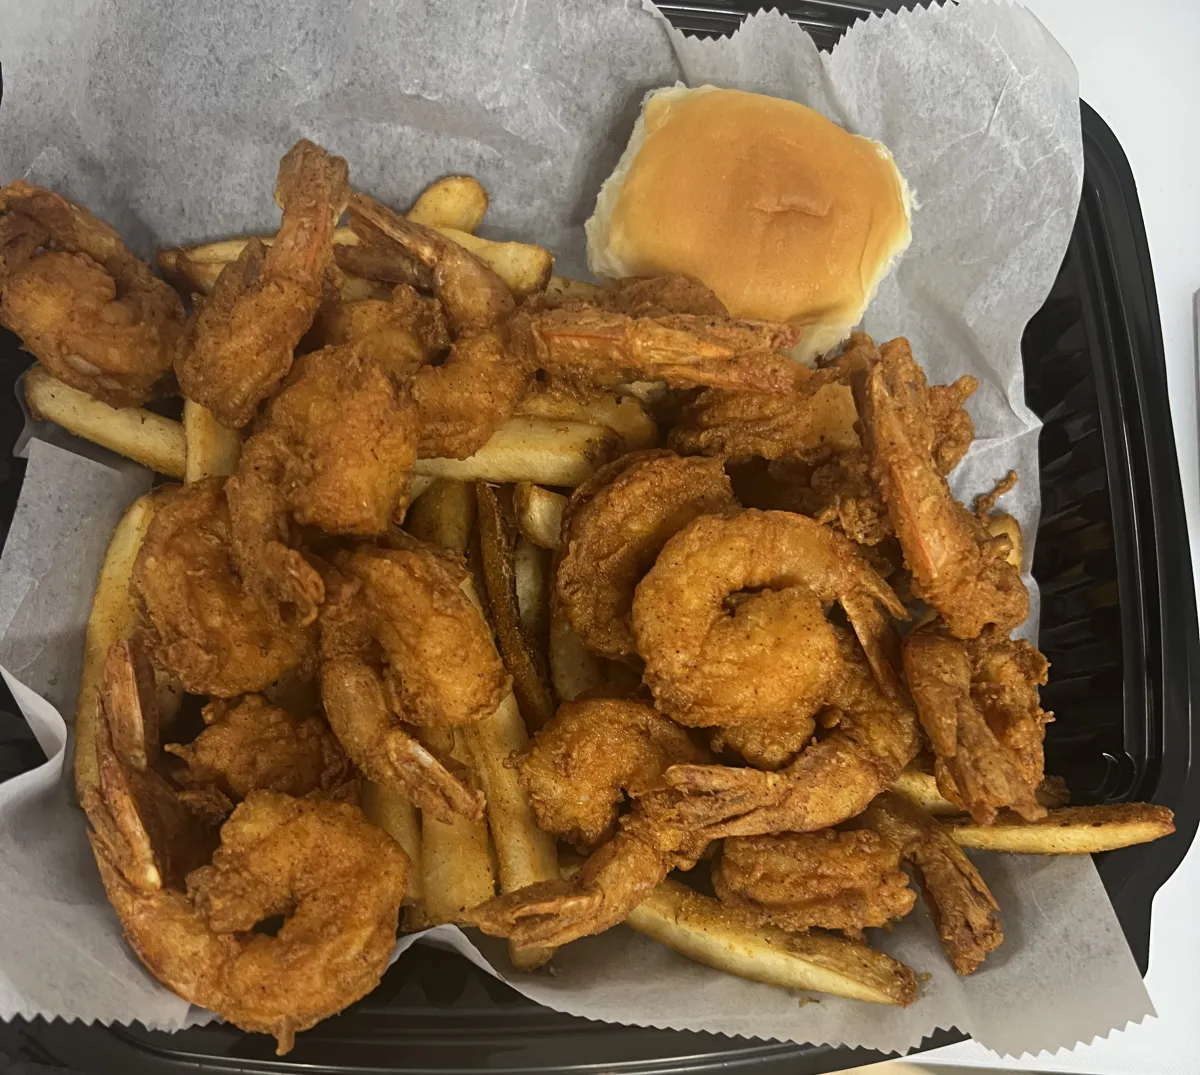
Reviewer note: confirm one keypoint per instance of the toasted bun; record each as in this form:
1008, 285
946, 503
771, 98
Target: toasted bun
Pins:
785, 215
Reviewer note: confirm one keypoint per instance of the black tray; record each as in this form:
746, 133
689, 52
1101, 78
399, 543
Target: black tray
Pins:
1118, 624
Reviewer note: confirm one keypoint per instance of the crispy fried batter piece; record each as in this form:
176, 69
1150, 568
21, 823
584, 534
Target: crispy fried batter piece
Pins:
659, 296
337, 880
769, 743
851, 880
88, 310
811, 423
462, 402
636, 296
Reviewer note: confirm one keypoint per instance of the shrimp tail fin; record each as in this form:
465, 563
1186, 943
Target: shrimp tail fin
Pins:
716, 794
546, 914
304, 170
430, 782
879, 641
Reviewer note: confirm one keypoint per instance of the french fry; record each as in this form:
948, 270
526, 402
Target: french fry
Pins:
523, 656
444, 515
212, 449
525, 268
456, 201
531, 572
526, 449
574, 669
564, 289
457, 860
137, 434
220, 253
196, 268
524, 854
539, 513
700, 928
1071, 830
623, 414
418, 486
400, 820
920, 787
113, 618
195, 275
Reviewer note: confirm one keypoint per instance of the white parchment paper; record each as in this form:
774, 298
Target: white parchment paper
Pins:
170, 120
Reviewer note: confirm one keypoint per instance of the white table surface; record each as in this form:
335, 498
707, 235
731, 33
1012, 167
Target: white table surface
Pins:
1139, 67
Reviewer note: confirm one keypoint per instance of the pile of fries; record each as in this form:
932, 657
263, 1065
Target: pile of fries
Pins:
501, 511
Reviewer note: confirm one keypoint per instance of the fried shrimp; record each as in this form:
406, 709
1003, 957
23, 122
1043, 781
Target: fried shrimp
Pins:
337, 880
963, 909
957, 566
811, 423
392, 617
474, 297
399, 334
150, 835
978, 703
830, 880
873, 738
591, 756
335, 450
829, 783
88, 310
592, 346
851, 880
252, 745
731, 619
622, 872
204, 627
613, 529
463, 400
769, 744
239, 344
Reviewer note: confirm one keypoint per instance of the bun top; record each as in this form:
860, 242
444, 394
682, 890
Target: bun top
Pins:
784, 214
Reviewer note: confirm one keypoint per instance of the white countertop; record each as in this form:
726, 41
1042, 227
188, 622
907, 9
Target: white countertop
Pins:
1138, 67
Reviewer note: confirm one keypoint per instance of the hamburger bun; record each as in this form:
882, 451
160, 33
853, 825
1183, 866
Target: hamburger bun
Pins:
784, 214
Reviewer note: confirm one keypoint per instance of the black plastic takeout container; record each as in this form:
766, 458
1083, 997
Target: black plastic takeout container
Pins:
1118, 623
